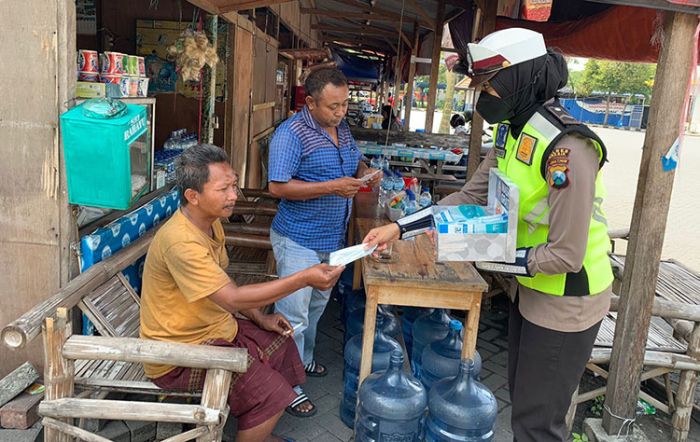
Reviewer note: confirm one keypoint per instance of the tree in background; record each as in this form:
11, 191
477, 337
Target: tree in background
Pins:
447, 106
609, 77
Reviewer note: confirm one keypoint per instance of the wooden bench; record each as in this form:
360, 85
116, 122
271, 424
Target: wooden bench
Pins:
97, 365
671, 346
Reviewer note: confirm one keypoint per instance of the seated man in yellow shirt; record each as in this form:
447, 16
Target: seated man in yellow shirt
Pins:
188, 297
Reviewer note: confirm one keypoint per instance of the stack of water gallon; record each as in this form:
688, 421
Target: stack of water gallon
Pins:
441, 400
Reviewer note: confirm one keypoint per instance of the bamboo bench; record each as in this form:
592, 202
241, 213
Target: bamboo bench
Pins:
670, 347
113, 362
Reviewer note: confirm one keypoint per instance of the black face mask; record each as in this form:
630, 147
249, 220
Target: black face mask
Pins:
492, 109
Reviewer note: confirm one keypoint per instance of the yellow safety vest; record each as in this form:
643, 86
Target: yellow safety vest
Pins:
522, 159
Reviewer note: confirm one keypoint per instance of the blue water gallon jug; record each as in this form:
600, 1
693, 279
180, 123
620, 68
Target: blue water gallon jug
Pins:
426, 330
350, 300
356, 322
383, 346
392, 405
460, 409
408, 317
441, 359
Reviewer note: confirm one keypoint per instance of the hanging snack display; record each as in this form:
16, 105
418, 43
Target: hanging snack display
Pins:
192, 51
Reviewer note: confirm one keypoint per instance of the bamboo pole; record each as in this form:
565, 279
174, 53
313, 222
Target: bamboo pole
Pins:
246, 240
129, 411
250, 229
648, 221
188, 435
435, 66
53, 424
144, 351
411, 77
59, 372
209, 85
215, 395
16, 334
666, 309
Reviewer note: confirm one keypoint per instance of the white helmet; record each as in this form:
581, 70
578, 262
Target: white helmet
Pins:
500, 50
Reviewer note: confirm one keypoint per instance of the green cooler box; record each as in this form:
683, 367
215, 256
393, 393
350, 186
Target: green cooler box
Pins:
107, 159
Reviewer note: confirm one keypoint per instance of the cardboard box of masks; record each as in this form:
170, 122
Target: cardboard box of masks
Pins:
477, 233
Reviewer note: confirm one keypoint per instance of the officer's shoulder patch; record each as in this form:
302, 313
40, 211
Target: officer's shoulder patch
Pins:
526, 148
558, 168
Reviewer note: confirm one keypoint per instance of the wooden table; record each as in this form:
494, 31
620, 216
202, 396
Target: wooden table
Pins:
414, 279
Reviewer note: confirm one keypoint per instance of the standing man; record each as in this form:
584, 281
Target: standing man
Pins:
562, 266
315, 169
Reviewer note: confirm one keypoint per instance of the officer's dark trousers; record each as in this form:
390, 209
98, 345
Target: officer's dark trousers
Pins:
544, 369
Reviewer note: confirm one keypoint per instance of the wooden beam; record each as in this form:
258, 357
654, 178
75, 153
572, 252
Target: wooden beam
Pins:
374, 16
411, 77
366, 7
686, 391
428, 19
485, 24
206, 6
242, 5
648, 220
360, 29
435, 67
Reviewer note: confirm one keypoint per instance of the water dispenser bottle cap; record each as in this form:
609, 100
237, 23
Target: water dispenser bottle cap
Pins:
455, 325
396, 357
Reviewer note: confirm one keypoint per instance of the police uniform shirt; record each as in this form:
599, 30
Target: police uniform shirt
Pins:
571, 207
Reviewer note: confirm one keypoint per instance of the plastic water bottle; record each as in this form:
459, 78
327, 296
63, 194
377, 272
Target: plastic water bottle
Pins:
356, 321
408, 317
392, 405
426, 330
411, 204
426, 199
460, 409
383, 346
441, 359
386, 189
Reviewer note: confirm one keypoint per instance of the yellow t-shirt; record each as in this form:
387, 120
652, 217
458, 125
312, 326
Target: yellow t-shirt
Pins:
183, 267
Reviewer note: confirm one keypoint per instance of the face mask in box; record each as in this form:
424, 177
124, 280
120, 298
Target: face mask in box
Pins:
470, 219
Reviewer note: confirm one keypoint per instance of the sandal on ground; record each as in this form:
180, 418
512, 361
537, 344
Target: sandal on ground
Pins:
315, 370
302, 398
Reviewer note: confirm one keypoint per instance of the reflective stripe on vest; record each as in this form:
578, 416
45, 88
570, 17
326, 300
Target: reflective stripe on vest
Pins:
533, 223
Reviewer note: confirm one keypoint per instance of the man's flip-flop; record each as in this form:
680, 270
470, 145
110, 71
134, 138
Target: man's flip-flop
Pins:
312, 370
291, 408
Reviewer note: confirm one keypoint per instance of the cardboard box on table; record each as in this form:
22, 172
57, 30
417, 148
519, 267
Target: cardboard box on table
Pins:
503, 196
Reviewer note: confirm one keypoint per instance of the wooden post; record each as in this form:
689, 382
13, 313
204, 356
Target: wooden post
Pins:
488, 25
411, 77
215, 395
686, 391
58, 371
648, 220
397, 80
435, 66
209, 86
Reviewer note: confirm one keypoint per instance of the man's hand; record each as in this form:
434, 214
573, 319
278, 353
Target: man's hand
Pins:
323, 276
346, 187
375, 180
275, 323
381, 237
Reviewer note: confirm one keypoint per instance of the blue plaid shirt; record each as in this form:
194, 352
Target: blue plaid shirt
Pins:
302, 150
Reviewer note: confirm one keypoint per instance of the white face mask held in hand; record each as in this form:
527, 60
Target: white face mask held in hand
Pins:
349, 254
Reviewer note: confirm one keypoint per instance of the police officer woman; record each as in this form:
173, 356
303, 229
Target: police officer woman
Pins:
563, 273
